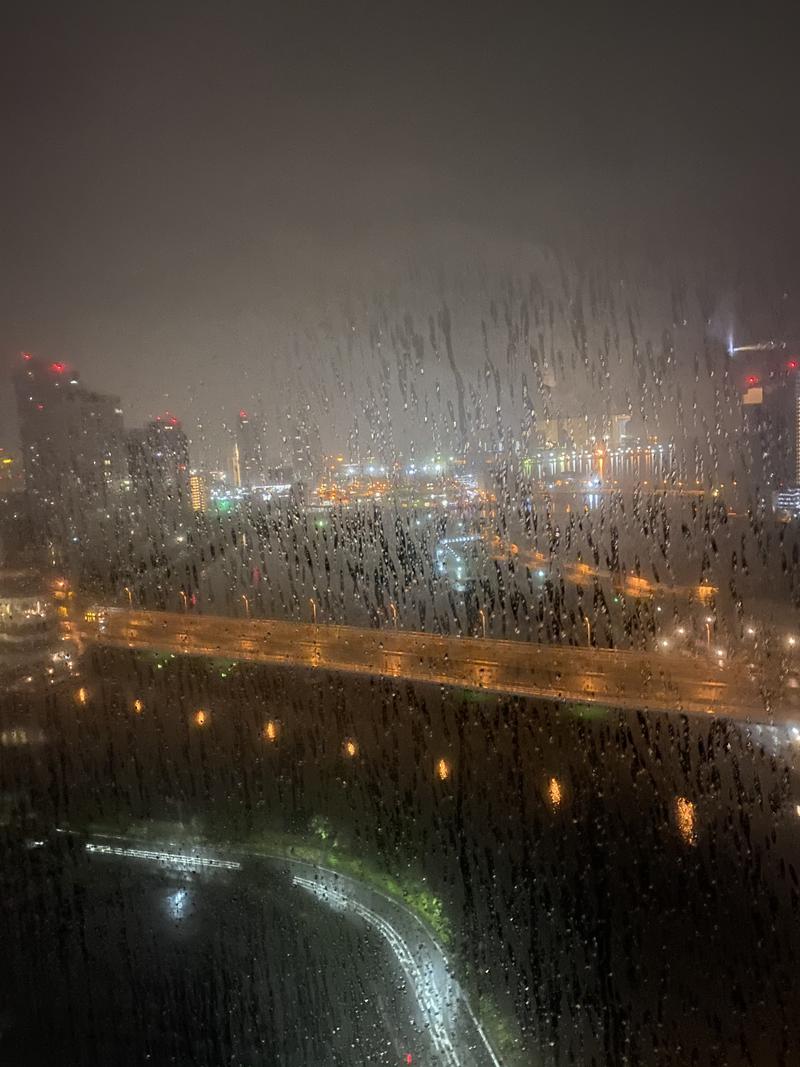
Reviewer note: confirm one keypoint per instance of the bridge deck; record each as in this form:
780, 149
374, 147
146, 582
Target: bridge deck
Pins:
644, 680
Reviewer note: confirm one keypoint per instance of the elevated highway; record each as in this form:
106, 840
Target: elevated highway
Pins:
645, 680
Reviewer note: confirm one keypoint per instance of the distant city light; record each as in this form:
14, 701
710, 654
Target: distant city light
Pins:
201, 717
351, 748
138, 706
270, 731
442, 770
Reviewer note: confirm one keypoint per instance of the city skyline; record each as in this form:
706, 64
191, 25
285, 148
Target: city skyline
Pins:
222, 244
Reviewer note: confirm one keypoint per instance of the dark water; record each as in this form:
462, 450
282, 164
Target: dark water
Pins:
619, 888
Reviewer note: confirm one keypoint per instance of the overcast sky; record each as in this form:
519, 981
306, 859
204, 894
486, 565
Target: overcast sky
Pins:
188, 189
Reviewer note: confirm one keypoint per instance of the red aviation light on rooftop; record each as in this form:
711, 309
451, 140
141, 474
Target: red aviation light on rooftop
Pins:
58, 368
26, 356
243, 414
752, 379
792, 364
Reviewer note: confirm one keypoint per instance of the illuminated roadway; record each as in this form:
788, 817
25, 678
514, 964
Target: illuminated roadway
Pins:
631, 585
442, 1016
646, 680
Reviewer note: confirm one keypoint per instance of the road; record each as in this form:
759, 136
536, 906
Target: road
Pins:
441, 1005
434, 1024
641, 680
631, 585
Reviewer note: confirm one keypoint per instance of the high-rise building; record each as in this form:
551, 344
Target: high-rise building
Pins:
72, 448
158, 464
769, 385
28, 621
249, 449
11, 477
618, 431
303, 448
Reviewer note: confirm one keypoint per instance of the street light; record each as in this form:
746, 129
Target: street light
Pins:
393, 609
246, 604
686, 819
588, 629
482, 614
709, 620
313, 604
126, 589
184, 598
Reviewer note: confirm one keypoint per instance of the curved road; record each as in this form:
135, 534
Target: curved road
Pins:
438, 1025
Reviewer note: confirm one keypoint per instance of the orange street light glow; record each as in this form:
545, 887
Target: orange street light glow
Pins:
686, 818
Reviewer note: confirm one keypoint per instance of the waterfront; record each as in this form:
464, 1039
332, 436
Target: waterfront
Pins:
586, 865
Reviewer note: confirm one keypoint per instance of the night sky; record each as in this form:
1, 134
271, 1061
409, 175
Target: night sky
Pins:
196, 196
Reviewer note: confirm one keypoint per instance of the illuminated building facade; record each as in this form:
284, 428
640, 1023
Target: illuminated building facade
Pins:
28, 622
198, 491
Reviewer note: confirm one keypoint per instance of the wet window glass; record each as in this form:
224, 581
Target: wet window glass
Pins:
399, 537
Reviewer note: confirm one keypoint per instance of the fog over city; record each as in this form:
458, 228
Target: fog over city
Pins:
204, 208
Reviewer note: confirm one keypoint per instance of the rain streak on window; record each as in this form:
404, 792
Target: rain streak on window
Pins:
399, 540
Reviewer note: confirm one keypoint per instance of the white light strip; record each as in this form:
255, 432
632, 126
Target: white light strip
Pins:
180, 860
